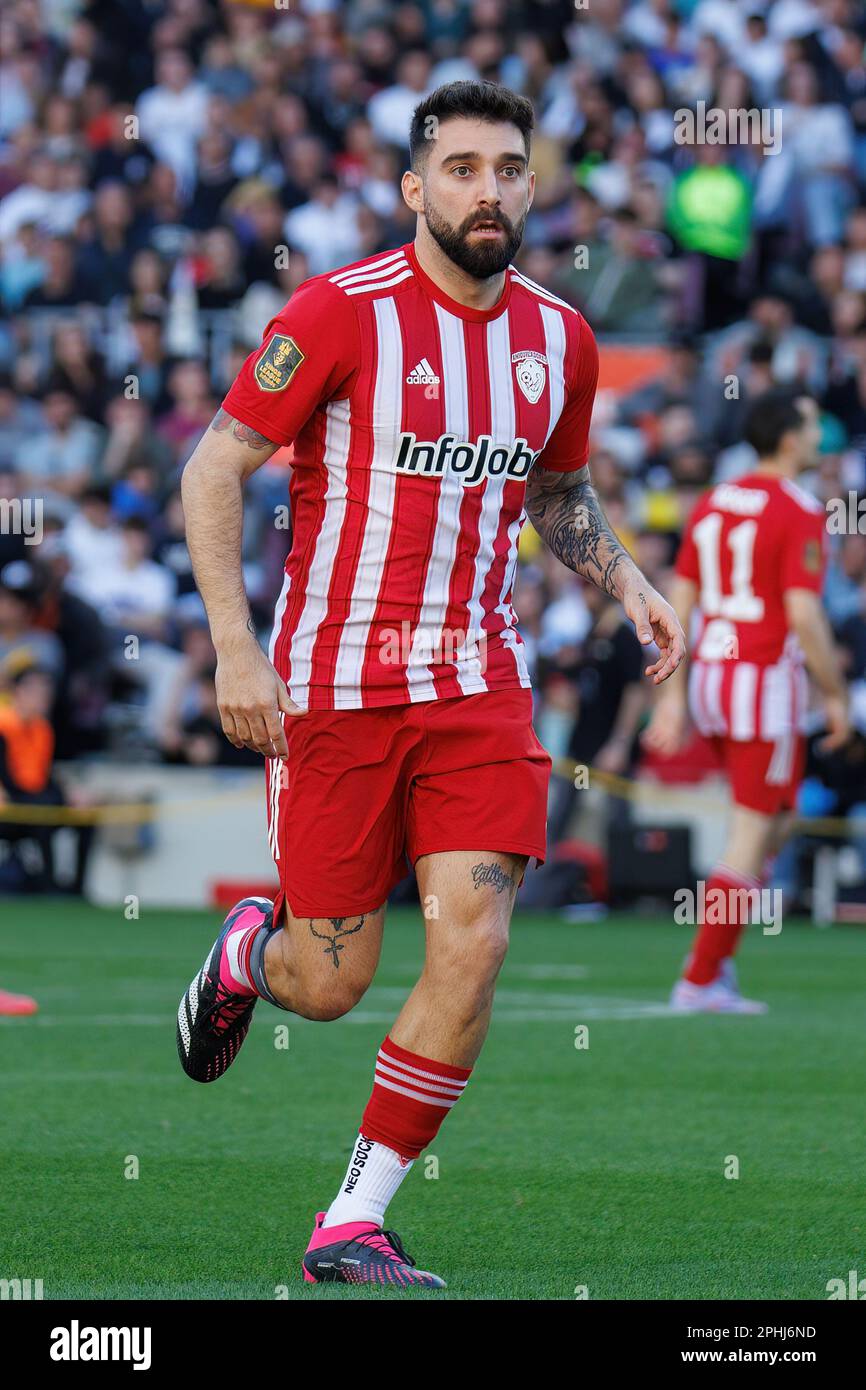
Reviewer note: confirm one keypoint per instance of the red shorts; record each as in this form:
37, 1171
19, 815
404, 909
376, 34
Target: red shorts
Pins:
365, 790
764, 777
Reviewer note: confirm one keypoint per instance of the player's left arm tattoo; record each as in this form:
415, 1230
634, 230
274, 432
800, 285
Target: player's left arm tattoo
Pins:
492, 874
565, 511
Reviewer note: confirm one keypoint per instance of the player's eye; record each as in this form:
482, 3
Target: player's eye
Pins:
512, 170
461, 169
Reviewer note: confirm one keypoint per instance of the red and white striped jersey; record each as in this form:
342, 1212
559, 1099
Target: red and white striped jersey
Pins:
746, 544
415, 422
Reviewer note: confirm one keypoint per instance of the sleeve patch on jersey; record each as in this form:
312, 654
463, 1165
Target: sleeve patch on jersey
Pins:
278, 363
812, 557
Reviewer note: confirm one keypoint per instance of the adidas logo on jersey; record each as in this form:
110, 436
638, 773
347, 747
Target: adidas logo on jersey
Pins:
472, 462
423, 375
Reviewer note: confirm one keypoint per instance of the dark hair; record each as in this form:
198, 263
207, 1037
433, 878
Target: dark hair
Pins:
24, 673
57, 385
485, 101
771, 416
762, 350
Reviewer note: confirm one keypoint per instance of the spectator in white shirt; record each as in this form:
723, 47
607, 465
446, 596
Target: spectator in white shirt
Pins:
761, 58
91, 540
173, 114
390, 111
134, 597
63, 457
326, 228
818, 139
31, 202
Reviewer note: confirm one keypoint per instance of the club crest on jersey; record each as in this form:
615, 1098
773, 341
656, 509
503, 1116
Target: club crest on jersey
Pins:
812, 556
471, 462
278, 363
530, 370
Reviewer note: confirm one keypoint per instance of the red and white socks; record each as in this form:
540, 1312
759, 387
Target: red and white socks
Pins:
372, 1177
411, 1097
725, 915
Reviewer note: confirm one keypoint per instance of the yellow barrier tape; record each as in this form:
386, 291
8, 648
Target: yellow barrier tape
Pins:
123, 813
146, 812
660, 794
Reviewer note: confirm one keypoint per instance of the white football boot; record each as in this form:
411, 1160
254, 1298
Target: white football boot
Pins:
721, 996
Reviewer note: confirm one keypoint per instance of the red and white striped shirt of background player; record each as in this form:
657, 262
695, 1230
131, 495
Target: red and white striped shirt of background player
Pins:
380, 552
746, 544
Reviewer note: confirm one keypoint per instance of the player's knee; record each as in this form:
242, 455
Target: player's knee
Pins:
326, 1000
473, 955
493, 944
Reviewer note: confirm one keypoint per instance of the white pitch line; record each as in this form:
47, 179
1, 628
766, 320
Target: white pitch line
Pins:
510, 1006
545, 972
504, 995
92, 1021
615, 1010
88, 1078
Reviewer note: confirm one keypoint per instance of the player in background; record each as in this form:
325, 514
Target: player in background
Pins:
434, 396
749, 576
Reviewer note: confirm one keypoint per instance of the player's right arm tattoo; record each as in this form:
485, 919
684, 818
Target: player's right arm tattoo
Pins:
565, 511
333, 948
223, 423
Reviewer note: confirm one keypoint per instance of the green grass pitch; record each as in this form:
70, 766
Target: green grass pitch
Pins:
601, 1167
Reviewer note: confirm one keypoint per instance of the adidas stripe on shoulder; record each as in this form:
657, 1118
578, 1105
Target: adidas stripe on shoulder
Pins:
540, 292
368, 277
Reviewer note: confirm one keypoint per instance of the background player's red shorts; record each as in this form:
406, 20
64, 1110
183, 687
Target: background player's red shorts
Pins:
366, 789
764, 776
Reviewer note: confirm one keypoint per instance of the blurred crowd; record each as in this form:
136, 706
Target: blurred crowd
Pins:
170, 170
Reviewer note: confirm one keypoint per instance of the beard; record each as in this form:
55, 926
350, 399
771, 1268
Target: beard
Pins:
486, 258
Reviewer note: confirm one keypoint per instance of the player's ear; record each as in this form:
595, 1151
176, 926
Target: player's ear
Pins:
413, 190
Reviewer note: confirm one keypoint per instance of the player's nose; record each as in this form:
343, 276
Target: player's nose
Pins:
489, 195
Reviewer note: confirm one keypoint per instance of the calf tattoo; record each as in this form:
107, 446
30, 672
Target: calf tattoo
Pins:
333, 947
493, 874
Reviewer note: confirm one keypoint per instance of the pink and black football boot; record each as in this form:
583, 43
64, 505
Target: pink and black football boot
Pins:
213, 1018
361, 1253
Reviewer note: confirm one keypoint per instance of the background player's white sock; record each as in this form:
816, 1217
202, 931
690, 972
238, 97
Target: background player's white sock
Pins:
373, 1176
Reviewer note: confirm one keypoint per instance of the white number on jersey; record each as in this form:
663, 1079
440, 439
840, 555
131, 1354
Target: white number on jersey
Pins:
742, 605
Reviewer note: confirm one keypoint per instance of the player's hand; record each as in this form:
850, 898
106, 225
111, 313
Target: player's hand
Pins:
838, 719
251, 698
655, 621
666, 732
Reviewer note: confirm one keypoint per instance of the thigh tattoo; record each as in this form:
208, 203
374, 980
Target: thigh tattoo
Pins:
492, 874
